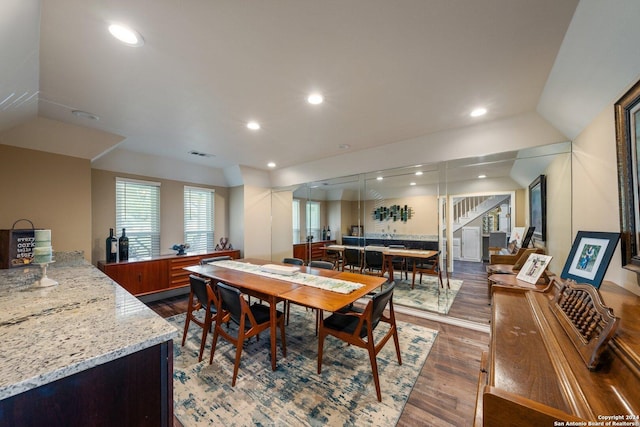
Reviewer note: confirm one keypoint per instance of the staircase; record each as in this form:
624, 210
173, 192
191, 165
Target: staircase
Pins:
467, 209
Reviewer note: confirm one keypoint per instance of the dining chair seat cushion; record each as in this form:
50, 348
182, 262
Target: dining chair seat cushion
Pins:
261, 313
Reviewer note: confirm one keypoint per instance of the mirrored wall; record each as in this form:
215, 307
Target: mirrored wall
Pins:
459, 208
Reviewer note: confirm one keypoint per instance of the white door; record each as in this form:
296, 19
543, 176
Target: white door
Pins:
471, 243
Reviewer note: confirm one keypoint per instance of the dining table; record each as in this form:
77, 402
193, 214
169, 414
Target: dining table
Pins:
388, 254
274, 289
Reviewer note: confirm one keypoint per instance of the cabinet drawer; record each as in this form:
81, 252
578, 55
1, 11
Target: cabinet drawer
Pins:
177, 275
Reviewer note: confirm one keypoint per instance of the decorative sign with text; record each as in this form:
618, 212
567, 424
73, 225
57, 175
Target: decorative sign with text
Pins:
16, 247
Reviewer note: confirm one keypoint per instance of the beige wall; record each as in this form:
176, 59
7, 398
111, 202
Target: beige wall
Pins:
559, 237
424, 219
103, 194
257, 222
281, 225
595, 189
52, 191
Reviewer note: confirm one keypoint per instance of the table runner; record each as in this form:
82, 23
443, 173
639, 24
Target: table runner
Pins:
327, 283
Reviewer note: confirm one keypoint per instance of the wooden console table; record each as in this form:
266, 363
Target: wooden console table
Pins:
152, 275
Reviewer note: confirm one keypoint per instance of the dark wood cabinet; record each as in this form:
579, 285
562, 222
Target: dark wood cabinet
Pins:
313, 251
143, 277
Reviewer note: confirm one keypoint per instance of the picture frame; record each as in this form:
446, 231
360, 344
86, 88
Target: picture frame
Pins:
538, 207
533, 268
589, 257
627, 122
356, 230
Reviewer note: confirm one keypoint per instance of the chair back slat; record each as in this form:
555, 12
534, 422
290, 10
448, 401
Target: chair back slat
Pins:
230, 297
199, 288
326, 265
352, 256
379, 302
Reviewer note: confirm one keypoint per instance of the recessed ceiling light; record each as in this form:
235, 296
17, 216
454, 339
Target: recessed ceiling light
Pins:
253, 125
412, 183
126, 35
315, 99
379, 178
271, 164
479, 112
482, 176
344, 146
84, 115
419, 173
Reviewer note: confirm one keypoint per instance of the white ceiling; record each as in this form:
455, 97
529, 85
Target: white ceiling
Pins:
390, 71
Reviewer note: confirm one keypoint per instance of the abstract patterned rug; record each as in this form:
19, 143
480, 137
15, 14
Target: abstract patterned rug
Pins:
294, 394
425, 296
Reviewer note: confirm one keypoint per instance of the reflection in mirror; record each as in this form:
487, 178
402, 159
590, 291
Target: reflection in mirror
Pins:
425, 206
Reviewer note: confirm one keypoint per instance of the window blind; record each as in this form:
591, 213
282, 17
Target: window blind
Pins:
199, 218
138, 211
313, 220
296, 221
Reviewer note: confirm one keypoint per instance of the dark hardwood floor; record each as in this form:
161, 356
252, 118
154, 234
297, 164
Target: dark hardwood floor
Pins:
445, 392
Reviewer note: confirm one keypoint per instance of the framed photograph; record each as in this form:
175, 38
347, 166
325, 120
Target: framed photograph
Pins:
356, 230
515, 240
538, 207
589, 258
533, 268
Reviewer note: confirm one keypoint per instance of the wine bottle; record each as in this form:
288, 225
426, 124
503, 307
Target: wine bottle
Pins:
123, 246
328, 233
112, 247
324, 233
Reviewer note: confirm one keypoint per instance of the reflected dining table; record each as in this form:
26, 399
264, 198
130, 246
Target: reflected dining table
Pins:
274, 290
388, 254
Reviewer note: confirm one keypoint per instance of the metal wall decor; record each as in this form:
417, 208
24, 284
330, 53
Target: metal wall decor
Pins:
394, 212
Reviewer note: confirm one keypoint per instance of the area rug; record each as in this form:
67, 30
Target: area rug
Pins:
425, 295
295, 394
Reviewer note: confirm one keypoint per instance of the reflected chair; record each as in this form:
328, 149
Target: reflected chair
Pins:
251, 320
334, 257
325, 265
400, 262
373, 261
201, 296
357, 328
352, 258
205, 261
429, 266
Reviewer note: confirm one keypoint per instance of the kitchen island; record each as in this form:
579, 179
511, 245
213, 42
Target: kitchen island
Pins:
83, 352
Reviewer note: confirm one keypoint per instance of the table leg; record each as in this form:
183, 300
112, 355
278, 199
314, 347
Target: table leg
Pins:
273, 319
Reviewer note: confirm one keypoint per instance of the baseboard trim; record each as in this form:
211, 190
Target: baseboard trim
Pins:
436, 317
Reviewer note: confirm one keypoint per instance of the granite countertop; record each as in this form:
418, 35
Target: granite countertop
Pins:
54, 332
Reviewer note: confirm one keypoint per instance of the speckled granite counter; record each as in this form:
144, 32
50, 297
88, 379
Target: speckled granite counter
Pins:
85, 321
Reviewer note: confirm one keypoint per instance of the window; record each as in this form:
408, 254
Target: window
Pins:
296, 221
313, 220
138, 211
199, 218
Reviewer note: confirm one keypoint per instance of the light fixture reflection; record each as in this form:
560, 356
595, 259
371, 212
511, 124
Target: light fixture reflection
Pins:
479, 112
253, 125
315, 99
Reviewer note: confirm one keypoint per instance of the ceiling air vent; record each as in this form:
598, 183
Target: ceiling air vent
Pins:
199, 154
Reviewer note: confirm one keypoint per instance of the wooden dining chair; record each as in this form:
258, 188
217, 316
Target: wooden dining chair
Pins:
251, 320
400, 262
357, 328
429, 266
352, 259
293, 261
373, 262
325, 265
201, 296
